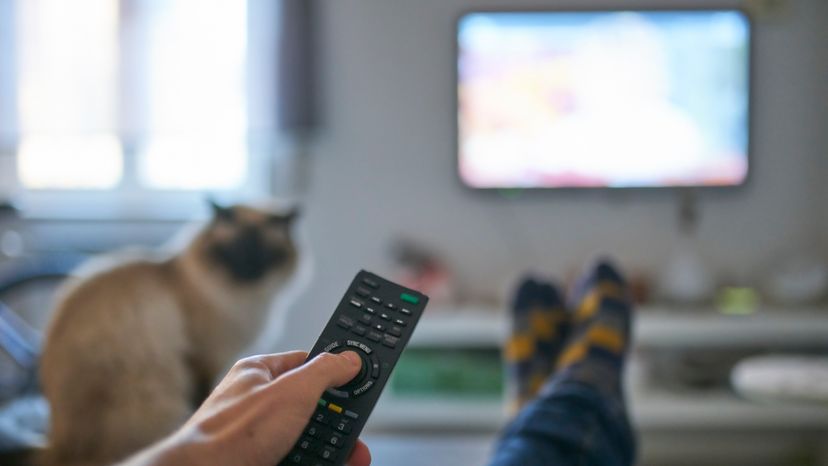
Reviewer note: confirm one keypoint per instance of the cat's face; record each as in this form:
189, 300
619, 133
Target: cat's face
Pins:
251, 244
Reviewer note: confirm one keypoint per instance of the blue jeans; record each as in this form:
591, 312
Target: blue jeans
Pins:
570, 423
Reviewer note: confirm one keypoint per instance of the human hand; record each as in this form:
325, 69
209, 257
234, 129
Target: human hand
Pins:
257, 413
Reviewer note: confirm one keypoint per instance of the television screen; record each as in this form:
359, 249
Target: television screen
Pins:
603, 98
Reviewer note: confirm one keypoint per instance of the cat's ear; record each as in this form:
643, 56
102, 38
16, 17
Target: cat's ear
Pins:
220, 212
287, 218
292, 214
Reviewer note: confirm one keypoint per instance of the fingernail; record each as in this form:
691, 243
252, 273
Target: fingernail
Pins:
353, 358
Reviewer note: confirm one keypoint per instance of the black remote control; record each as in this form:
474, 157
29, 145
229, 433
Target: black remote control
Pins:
375, 319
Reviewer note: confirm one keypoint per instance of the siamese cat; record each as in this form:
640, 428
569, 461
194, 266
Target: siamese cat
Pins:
131, 351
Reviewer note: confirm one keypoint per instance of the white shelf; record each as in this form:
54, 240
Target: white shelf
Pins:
654, 328
462, 327
723, 410
470, 327
435, 414
648, 411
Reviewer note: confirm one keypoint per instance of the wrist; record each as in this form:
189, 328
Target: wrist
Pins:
183, 447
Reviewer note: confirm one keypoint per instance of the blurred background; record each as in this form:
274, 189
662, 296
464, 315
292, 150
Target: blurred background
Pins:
119, 118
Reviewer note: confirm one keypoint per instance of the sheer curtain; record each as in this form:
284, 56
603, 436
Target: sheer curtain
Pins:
297, 65
155, 101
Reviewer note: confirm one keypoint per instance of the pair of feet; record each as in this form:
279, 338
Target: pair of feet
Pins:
582, 339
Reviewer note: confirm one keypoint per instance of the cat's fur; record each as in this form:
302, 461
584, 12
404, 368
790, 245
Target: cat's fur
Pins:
132, 350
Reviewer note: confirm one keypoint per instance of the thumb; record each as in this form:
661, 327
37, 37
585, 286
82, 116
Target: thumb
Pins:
324, 371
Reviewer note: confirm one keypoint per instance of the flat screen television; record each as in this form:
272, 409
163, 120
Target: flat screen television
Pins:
610, 99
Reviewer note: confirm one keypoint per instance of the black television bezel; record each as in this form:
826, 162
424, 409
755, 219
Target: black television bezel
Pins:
746, 14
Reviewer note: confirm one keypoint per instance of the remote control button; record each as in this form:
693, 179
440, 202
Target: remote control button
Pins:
358, 344
321, 418
335, 440
322, 402
344, 425
359, 330
335, 408
391, 306
396, 331
379, 327
371, 283
351, 415
296, 458
399, 322
370, 310
328, 453
376, 299
332, 346
366, 318
409, 298
339, 393
313, 431
356, 303
364, 388
305, 444
345, 322
389, 340
362, 292
405, 311
375, 368
385, 316
362, 350
374, 336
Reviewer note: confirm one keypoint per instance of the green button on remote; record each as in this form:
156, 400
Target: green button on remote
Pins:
409, 298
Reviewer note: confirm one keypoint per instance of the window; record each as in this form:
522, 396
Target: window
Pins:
136, 107
195, 95
67, 94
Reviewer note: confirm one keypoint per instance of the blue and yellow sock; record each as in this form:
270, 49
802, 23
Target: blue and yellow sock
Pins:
600, 333
539, 327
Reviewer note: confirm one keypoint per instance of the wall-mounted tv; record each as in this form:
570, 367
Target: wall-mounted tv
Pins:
610, 99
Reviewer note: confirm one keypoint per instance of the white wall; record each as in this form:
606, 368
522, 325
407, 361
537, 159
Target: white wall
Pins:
817, 111
385, 165
821, 174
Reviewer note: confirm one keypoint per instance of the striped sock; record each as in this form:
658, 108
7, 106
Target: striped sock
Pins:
539, 325
600, 333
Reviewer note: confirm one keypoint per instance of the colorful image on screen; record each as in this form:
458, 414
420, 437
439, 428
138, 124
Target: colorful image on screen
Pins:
603, 99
